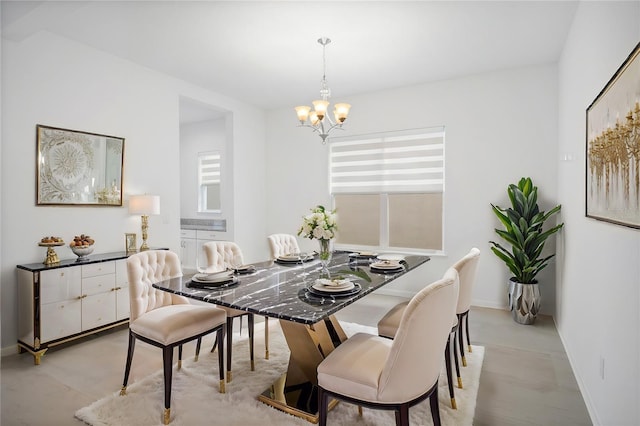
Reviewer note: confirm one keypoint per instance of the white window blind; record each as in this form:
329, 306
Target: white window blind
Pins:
388, 189
209, 182
209, 168
408, 161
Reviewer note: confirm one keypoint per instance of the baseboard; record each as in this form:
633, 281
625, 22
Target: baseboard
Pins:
488, 304
593, 415
9, 350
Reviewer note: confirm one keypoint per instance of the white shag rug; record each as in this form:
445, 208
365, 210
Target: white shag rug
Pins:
195, 399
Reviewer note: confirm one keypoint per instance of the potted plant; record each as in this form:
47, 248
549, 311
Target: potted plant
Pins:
523, 229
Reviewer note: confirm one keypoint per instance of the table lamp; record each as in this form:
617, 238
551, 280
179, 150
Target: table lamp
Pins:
144, 205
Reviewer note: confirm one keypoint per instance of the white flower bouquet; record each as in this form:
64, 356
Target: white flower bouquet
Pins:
320, 224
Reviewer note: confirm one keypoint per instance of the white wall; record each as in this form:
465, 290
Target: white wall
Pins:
500, 126
598, 278
49, 80
196, 138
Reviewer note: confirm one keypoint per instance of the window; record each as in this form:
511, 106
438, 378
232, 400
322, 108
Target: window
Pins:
209, 182
388, 189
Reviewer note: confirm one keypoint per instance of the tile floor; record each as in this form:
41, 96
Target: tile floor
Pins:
526, 378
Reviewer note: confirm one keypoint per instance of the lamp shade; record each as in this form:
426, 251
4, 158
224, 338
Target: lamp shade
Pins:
144, 204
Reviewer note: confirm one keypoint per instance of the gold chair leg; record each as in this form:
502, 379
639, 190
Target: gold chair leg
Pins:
470, 349
228, 376
464, 361
360, 410
453, 404
179, 364
223, 388
123, 391
166, 416
460, 382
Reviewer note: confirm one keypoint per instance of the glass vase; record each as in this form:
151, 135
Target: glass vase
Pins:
325, 254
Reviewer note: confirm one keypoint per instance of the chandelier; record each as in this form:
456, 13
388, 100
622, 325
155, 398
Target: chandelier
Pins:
318, 119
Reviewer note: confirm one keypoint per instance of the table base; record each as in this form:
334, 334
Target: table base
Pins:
296, 391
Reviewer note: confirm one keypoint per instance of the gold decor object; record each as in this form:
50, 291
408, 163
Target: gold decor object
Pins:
130, 244
144, 205
319, 119
50, 242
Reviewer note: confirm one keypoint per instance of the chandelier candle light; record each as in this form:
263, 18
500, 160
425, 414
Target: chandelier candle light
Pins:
144, 205
318, 119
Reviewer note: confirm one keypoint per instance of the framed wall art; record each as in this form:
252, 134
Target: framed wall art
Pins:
78, 168
613, 148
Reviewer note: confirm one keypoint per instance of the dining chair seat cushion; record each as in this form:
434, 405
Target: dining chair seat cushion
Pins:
389, 323
177, 322
353, 369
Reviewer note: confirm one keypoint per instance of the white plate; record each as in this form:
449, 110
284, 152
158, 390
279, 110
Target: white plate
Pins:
387, 264
216, 277
366, 254
289, 257
391, 257
334, 288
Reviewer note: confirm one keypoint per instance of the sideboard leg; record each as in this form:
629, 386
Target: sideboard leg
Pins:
37, 354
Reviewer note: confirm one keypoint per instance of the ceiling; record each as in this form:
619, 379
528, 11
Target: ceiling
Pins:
266, 53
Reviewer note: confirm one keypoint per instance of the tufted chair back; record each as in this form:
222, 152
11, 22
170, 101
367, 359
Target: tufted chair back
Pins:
466, 267
146, 268
222, 255
282, 244
415, 358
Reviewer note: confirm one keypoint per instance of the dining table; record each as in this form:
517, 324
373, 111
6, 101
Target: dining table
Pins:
292, 290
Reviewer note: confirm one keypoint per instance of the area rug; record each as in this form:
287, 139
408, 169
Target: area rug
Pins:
195, 399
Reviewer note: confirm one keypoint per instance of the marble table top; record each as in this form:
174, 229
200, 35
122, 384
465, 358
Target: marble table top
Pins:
282, 290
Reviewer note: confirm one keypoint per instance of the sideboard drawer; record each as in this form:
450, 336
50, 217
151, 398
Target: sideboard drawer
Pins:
101, 268
98, 284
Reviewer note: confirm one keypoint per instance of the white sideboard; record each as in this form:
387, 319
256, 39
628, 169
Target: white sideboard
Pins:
191, 251
71, 299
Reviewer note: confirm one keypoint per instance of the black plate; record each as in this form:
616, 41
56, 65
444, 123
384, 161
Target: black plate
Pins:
292, 261
245, 271
212, 285
387, 271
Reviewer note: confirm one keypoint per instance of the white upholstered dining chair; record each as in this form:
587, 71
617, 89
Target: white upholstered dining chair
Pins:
279, 244
380, 373
282, 244
166, 320
223, 255
466, 268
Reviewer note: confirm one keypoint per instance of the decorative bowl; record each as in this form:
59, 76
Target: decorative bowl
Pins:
82, 251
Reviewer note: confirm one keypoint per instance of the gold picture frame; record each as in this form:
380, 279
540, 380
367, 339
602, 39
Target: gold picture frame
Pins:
78, 168
613, 148
130, 243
